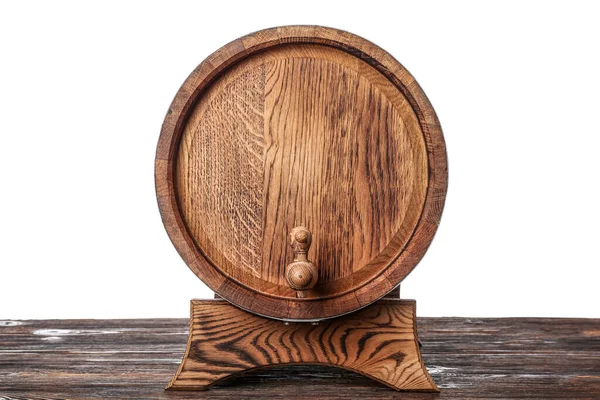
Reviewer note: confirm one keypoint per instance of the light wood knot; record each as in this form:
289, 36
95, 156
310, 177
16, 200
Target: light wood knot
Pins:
302, 236
301, 274
300, 239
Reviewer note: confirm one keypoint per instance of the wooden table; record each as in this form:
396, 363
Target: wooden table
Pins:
467, 357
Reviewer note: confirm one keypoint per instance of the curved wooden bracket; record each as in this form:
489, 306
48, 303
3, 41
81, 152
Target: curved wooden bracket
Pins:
379, 342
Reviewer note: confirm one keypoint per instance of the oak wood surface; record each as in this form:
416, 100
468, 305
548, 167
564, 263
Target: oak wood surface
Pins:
379, 342
309, 126
469, 358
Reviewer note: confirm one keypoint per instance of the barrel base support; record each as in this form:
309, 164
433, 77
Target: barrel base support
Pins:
379, 341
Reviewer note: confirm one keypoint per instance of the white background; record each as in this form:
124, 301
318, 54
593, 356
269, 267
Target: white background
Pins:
84, 89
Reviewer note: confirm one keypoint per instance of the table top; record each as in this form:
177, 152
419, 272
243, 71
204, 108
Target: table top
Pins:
467, 357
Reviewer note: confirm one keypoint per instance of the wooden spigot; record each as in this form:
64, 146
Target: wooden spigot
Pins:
301, 274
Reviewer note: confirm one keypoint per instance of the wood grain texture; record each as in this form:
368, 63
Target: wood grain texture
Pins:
469, 358
301, 135
301, 126
379, 342
219, 172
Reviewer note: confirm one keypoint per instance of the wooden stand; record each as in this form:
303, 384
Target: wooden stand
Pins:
379, 342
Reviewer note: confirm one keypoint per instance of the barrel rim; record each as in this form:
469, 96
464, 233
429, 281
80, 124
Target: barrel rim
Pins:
293, 308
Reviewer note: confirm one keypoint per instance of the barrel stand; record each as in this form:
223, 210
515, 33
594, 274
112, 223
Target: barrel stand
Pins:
379, 341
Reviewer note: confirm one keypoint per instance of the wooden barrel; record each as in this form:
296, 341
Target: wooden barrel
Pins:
301, 172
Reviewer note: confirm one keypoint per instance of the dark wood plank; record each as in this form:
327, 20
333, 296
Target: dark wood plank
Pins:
467, 358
